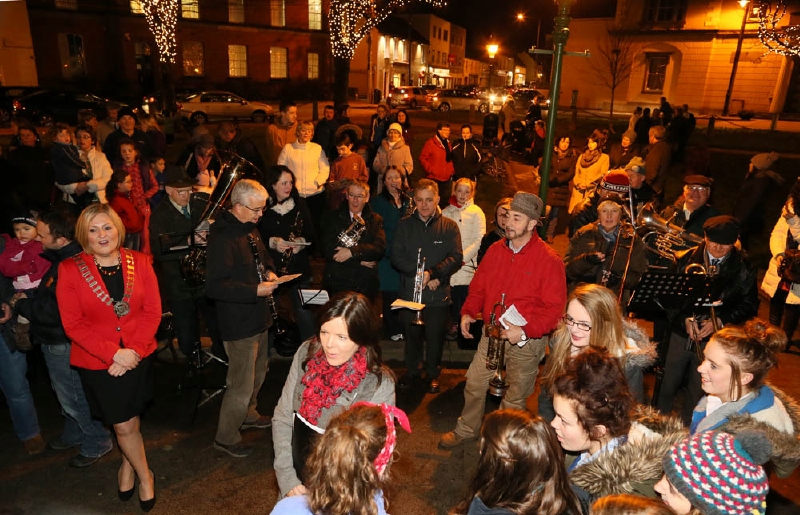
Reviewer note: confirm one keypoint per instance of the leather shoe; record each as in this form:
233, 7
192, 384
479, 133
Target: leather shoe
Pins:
35, 445
80, 461
237, 450
59, 444
434, 387
262, 422
451, 440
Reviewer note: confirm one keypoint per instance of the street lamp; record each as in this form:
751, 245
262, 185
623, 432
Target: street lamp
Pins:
727, 105
491, 49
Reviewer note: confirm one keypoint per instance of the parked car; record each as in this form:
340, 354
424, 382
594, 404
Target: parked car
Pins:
523, 97
430, 88
154, 103
407, 96
222, 105
498, 95
7, 96
47, 107
454, 99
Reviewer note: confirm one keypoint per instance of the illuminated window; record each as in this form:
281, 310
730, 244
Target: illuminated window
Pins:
237, 61
193, 59
656, 75
277, 13
313, 66
73, 61
666, 11
136, 7
278, 63
236, 11
190, 9
315, 14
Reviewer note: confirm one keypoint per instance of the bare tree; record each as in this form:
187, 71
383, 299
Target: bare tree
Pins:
162, 18
613, 62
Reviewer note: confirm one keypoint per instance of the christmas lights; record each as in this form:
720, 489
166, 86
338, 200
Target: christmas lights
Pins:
162, 17
779, 40
351, 20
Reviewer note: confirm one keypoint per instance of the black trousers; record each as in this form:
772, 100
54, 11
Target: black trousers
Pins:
432, 333
186, 315
681, 367
779, 309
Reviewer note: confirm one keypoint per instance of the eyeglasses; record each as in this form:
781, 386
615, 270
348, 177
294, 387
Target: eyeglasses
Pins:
255, 209
184, 192
695, 187
360, 196
583, 326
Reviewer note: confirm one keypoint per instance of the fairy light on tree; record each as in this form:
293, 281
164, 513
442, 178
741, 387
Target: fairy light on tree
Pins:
782, 40
162, 19
349, 22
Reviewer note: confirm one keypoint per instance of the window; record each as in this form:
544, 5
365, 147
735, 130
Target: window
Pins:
190, 9
278, 12
236, 11
66, 4
73, 64
315, 14
136, 7
666, 11
313, 66
193, 61
237, 61
656, 74
278, 63
445, 35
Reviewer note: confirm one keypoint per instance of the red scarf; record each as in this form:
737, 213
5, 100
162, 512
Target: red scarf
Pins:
324, 382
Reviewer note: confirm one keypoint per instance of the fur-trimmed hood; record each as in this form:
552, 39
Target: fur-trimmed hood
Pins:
646, 354
635, 466
785, 447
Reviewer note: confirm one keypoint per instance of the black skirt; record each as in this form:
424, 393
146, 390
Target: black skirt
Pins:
118, 399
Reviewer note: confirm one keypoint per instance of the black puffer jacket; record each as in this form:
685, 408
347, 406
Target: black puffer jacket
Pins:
440, 241
466, 159
42, 308
232, 280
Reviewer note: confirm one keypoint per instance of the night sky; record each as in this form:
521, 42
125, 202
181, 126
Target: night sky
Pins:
498, 18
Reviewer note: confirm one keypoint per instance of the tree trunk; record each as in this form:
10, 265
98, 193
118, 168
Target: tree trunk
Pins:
341, 80
611, 108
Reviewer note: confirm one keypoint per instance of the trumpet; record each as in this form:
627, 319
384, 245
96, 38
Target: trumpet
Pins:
419, 279
662, 237
711, 271
349, 237
496, 351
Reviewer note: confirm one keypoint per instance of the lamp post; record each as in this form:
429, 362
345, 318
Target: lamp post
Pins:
491, 49
727, 105
560, 37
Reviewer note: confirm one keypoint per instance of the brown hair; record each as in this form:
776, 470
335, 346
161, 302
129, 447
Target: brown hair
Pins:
599, 136
751, 349
521, 467
89, 214
426, 184
607, 329
628, 504
341, 475
362, 328
595, 383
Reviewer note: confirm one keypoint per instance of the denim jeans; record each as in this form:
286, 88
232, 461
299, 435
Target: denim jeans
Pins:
79, 426
13, 367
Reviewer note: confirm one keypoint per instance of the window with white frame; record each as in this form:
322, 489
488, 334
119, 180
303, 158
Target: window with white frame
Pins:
190, 9
313, 66
136, 7
278, 63
656, 72
236, 11
193, 59
237, 61
277, 10
315, 14
73, 61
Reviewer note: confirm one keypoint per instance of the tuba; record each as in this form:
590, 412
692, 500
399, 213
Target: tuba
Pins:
193, 264
350, 236
496, 351
662, 237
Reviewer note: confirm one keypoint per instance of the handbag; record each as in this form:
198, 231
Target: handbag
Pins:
789, 270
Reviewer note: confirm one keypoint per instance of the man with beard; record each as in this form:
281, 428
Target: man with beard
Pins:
531, 276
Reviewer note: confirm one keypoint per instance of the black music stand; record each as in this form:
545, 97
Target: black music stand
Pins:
669, 295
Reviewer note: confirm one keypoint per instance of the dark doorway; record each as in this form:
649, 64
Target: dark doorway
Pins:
793, 94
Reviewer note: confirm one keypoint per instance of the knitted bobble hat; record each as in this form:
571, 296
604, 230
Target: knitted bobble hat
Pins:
721, 474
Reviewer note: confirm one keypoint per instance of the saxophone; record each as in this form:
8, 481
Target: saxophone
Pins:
294, 233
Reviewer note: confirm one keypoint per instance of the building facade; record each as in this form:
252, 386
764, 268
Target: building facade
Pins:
237, 45
682, 50
447, 44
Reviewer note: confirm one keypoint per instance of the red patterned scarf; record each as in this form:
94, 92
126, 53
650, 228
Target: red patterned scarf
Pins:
324, 382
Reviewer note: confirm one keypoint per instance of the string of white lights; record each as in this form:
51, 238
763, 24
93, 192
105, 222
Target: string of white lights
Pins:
162, 18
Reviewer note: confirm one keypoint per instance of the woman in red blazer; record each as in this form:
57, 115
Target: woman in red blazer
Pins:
437, 161
110, 308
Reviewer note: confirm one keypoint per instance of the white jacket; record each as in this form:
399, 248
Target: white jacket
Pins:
777, 246
472, 225
101, 174
309, 164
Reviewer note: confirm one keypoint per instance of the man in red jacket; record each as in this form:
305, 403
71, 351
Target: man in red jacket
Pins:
436, 159
532, 277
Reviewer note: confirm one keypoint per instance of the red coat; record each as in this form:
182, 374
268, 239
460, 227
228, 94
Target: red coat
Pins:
132, 219
93, 327
533, 280
434, 161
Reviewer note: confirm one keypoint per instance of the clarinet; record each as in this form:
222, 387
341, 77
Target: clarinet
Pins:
294, 233
261, 270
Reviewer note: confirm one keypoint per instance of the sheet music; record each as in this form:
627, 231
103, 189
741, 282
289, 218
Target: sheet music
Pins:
314, 297
512, 316
286, 278
407, 304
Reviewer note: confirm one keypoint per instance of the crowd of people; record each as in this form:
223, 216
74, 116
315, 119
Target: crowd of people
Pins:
107, 237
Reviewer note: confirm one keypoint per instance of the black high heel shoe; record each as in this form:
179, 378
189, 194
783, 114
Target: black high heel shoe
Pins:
148, 505
127, 494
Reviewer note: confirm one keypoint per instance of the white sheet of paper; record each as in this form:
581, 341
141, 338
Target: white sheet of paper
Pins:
314, 297
286, 278
407, 304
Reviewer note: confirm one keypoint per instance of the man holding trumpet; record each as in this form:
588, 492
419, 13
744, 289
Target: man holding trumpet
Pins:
532, 277
429, 245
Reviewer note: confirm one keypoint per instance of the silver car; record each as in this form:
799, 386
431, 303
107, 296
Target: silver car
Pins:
449, 99
222, 105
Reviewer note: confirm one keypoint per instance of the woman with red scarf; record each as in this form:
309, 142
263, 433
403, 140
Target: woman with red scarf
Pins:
330, 372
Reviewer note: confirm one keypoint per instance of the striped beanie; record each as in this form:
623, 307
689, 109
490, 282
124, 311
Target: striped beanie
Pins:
721, 474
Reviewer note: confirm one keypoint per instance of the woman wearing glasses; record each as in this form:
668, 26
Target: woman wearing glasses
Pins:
593, 319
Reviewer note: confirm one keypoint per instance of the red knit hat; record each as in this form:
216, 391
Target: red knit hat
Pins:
614, 182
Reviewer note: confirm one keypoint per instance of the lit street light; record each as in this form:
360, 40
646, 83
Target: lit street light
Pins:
727, 105
491, 49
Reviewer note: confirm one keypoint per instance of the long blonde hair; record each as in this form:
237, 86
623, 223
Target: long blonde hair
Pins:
607, 330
